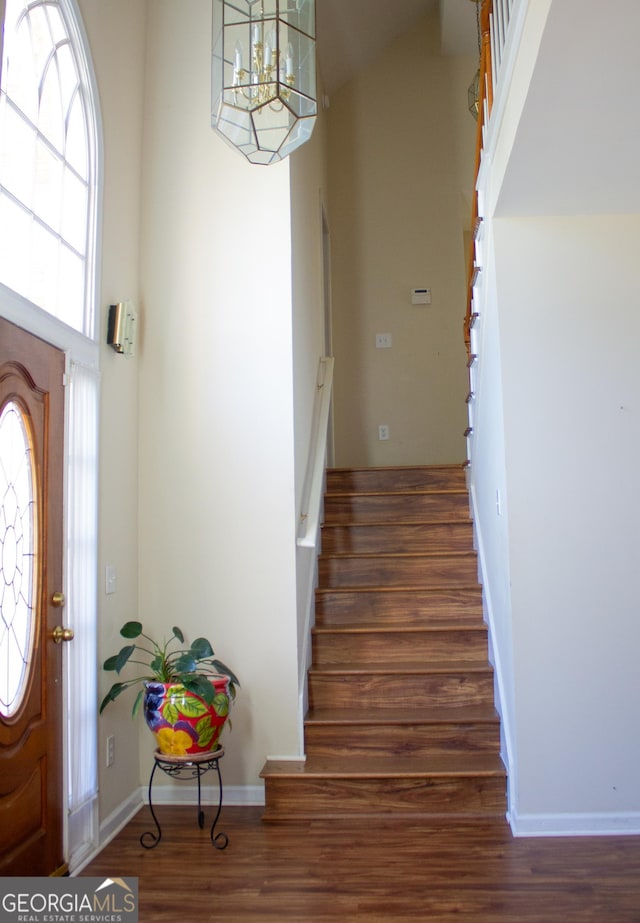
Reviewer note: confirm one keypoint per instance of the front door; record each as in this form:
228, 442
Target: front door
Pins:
31, 499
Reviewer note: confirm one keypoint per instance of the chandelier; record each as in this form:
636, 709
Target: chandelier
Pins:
264, 75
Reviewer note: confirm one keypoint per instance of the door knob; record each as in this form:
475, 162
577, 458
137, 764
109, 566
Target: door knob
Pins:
60, 634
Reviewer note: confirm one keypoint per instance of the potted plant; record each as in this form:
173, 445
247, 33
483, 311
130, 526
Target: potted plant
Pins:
186, 691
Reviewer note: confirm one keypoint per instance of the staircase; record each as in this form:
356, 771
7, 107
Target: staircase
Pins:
401, 717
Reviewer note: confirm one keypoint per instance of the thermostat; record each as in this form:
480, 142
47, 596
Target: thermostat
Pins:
420, 296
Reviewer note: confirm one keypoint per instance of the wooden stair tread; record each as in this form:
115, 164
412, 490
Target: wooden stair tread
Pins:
459, 764
399, 606
342, 555
413, 569
391, 479
398, 669
445, 466
436, 504
398, 523
460, 591
485, 714
397, 587
362, 628
401, 523
404, 492
443, 625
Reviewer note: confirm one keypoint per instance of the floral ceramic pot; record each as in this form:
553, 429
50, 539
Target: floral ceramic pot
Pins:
181, 721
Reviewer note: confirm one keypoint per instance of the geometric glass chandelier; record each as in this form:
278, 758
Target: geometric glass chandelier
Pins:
264, 75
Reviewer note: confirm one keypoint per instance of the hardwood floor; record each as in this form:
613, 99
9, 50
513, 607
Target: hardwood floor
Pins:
364, 870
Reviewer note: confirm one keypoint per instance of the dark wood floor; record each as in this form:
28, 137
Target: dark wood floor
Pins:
368, 871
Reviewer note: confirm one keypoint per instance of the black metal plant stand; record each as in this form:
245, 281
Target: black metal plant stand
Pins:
192, 766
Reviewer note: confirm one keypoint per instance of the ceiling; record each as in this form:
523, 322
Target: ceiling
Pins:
580, 155
351, 32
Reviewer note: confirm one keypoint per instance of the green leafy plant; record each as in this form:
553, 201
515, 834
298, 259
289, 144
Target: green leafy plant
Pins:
191, 667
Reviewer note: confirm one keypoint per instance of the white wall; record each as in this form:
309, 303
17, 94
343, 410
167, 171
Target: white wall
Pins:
572, 432
566, 176
488, 490
116, 37
556, 428
401, 146
217, 496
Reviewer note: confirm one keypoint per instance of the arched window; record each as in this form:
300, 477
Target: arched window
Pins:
47, 162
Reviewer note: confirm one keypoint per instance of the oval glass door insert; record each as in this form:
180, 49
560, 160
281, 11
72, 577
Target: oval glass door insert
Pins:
17, 558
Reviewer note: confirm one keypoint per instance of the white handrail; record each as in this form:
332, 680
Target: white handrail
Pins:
310, 517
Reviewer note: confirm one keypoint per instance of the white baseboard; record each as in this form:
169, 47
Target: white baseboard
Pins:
111, 826
232, 795
529, 825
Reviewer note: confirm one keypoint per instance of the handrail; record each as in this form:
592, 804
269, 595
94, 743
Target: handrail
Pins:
495, 16
485, 102
310, 518
308, 540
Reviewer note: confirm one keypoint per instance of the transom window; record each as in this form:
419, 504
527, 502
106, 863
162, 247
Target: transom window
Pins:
46, 164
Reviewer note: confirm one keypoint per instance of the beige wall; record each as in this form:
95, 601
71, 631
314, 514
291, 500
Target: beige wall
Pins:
204, 435
216, 494
401, 148
116, 36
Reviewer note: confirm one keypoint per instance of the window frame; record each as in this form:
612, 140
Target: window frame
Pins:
80, 811
79, 45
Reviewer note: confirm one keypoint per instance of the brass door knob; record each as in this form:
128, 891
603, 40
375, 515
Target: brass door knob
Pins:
60, 634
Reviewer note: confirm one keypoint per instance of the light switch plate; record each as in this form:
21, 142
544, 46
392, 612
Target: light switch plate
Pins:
110, 579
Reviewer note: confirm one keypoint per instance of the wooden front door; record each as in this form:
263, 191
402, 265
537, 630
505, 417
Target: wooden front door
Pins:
31, 498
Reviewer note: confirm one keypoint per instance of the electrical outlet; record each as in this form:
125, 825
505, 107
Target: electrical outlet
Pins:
383, 432
111, 750
384, 341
